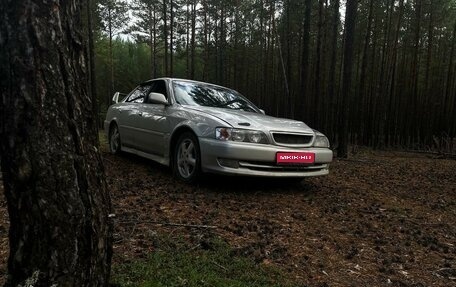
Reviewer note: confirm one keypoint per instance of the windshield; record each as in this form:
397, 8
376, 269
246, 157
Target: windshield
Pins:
200, 94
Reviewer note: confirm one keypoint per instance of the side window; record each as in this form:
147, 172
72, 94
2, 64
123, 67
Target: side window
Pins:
139, 94
159, 87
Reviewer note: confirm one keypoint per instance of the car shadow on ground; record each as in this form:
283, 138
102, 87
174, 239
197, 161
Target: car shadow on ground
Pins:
246, 183
225, 183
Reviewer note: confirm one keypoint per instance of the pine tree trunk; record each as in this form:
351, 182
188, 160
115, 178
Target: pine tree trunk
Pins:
53, 174
192, 69
111, 61
426, 123
389, 112
302, 102
217, 47
371, 99
445, 118
171, 39
379, 140
222, 63
151, 37
316, 112
288, 106
155, 43
206, 39
165, 38
363, 95
332, 94
413, 121
349, 35
187, 39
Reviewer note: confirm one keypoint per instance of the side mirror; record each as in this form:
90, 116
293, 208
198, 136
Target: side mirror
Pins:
115, 99
157, 99
118, 97
262, 111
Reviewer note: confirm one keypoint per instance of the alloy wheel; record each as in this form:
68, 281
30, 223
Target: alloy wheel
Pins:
114, 140
186, 158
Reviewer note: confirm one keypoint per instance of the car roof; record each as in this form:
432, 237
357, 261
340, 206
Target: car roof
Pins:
184, 80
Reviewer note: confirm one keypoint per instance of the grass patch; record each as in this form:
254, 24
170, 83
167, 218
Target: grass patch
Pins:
103, 141
177, 263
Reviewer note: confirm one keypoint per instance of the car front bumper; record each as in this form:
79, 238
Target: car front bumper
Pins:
249, 159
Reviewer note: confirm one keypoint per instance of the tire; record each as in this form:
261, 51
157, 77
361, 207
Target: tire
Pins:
114, 139
187, 158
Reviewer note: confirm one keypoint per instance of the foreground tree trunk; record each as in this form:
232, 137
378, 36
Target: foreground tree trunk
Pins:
52, 170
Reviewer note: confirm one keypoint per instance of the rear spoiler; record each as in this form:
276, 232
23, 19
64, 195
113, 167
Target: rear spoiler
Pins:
115, 99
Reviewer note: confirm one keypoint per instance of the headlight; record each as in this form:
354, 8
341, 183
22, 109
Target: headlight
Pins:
321, 140
238, 135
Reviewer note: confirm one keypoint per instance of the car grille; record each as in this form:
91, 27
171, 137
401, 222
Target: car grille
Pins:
270, 166
292, 139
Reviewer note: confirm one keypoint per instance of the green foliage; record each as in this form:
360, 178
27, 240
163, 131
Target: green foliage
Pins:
131, 66
178, 263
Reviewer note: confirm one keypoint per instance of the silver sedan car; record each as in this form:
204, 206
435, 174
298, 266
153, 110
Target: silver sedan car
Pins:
196, 127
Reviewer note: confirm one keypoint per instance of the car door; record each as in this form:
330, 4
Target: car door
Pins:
153, 124
129, 116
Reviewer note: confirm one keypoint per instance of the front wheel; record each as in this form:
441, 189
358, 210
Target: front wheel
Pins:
187, 158
114, 140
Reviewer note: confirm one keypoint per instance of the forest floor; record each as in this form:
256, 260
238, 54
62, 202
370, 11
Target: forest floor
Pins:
378, 219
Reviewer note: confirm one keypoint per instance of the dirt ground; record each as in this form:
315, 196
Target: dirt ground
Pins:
378, 219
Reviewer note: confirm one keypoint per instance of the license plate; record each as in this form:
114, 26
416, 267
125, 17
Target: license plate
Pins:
295, 157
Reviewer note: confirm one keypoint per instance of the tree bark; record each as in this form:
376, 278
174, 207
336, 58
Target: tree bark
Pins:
206, 40
426, 123
165, 38
222, 46
379, 140
171, 39
111, 62
304, 95
58, 204
193, 43
389, 113
316, 112
187, 39
362, 101
332, 94
349, 35
155, 43
445, 118
150, 11
288, 106
412, 120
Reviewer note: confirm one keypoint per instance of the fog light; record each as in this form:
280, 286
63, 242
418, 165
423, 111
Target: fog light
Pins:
231, 163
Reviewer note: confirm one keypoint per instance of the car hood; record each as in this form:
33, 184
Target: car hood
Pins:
247, 120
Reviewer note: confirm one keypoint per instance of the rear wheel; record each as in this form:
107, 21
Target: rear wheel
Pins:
114, 139
187, 158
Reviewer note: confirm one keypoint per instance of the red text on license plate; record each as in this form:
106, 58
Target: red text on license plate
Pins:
295, 157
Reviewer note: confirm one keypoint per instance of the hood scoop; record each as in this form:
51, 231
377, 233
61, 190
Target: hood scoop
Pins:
244, 124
